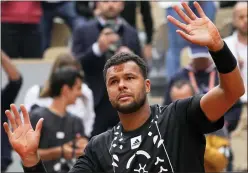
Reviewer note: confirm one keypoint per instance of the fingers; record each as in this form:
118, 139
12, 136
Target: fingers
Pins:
25, 114
16, 113
7, 129
11, 119
177, 23
184, 35
39, 126
190, 13
199, 9
182, 14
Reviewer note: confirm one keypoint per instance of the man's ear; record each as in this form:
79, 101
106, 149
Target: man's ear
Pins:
148, 85
64, 90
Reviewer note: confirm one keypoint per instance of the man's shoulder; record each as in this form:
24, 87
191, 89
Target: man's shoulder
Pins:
89, 24
39, 112
102, 139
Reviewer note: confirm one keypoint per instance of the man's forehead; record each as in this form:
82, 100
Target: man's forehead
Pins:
129, 66
126, 66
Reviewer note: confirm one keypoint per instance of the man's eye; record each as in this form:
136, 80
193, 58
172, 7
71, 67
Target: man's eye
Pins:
130, 78
113, 82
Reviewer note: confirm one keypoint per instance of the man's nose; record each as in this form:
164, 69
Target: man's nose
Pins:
122, 84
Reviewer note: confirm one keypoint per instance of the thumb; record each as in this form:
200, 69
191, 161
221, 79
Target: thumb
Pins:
39, 126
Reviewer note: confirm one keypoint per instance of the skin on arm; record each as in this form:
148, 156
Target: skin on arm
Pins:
203, 32
9, 67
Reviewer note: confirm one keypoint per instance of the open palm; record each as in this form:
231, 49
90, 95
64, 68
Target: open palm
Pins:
197, 30
23, 138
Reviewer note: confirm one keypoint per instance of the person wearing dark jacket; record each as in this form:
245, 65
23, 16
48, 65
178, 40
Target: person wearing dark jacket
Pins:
8, 96
148, 138
92, 43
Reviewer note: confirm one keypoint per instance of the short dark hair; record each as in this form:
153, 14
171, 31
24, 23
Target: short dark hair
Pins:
63, 76
180, 83
121, 58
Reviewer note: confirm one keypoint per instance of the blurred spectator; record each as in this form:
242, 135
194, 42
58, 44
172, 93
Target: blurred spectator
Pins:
38, 96
217, 151
66, 140
237, 42
93, 44
129, 14
181, 89
176, 42
20, 24
238, 45
8, 96
200, 72
51, 9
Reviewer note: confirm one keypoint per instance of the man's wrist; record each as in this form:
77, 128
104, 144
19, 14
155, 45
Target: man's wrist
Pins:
30, 161
217, 47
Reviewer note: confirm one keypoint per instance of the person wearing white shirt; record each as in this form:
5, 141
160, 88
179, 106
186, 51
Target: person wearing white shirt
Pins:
237, 42
84, 106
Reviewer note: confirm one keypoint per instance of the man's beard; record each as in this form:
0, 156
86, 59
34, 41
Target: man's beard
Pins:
132, 107
243, 33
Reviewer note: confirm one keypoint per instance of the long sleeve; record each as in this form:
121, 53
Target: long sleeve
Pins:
145, 10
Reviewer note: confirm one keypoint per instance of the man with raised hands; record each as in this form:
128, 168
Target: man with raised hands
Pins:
148, 138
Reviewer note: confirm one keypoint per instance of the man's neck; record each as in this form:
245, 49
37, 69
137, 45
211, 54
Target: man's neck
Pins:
135, 120
242, 38
58, 106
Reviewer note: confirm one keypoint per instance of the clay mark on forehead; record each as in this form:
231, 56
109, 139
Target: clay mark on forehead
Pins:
118, 68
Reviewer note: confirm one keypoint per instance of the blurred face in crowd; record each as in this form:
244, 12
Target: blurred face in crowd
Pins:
127, 87
72, 93
240, 17
110, 9
181, 93
201, 64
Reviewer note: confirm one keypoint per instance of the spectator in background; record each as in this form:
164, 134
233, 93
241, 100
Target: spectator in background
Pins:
217, 151
51, 9
181, 89
20, 25
176, 43
202, 74
66, 140
237, 42
8, 96
129, 14
95, 42
38, 96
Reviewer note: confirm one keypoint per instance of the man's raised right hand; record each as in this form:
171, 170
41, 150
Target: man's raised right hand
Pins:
23, 138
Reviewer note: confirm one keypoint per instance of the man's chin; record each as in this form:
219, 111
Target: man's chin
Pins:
127, 108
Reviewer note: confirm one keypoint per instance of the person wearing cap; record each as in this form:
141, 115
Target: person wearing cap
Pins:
202, 74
